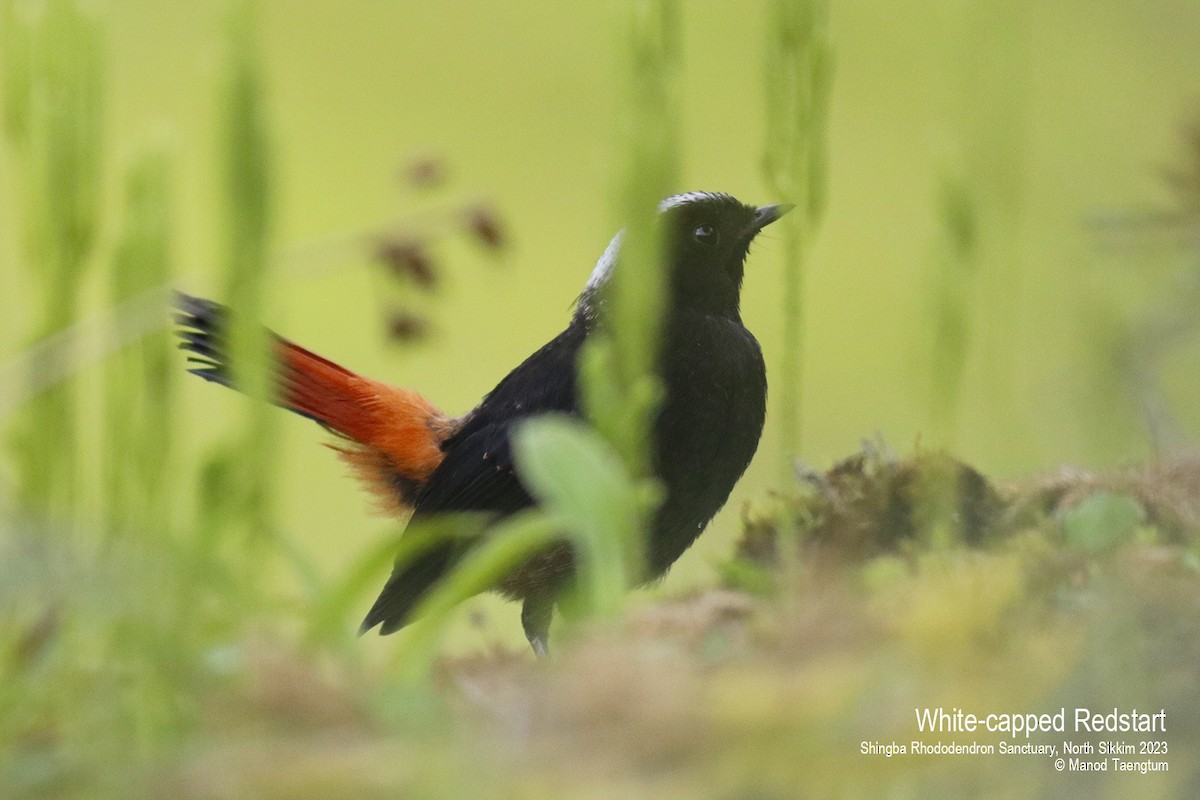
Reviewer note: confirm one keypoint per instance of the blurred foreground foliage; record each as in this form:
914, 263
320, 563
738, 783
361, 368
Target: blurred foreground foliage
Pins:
1071, 590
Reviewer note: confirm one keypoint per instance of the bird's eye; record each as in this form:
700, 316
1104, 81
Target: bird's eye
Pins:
705, 234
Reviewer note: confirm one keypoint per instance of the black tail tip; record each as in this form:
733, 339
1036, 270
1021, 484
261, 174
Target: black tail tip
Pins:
386, 625
194, 309
201, 332
369, 624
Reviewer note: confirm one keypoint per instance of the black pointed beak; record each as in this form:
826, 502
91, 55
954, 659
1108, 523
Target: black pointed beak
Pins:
765, 215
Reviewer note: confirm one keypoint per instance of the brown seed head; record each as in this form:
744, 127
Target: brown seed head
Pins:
408, 258
404, 326
485, 226
425, 172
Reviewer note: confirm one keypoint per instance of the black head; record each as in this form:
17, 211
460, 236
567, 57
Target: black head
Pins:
707, 236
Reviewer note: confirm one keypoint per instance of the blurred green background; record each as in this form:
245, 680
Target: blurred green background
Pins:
1052, 116
999, 244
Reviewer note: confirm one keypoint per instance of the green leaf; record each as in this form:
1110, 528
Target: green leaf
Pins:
1102, 520
509, 544
328, 620
580, 480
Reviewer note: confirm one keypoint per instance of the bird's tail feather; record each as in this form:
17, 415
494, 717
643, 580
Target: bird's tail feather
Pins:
396, 434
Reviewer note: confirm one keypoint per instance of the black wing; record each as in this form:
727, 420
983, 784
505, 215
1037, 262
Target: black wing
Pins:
477, 473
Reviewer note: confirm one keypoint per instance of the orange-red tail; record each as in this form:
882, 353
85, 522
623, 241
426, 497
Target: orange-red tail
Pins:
396, 434
393, 435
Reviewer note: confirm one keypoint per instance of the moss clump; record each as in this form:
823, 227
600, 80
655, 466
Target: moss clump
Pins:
874, 503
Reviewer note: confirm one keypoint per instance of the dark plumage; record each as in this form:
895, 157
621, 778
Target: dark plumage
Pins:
705, 433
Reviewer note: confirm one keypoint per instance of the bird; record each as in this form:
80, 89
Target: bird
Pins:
420, 462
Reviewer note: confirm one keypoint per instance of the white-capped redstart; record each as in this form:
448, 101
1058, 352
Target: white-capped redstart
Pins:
419, 460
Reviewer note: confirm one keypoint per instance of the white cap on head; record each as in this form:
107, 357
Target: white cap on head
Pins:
676, 200
608, 258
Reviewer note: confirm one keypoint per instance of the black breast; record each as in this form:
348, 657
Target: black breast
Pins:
708, 428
